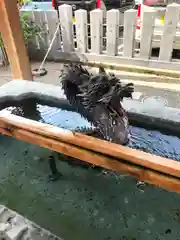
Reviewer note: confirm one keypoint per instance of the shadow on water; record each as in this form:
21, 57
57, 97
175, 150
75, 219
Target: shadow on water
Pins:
87, 204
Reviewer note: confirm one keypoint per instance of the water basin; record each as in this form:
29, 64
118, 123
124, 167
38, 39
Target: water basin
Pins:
148, 140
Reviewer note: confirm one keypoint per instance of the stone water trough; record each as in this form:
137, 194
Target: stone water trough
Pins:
161, 171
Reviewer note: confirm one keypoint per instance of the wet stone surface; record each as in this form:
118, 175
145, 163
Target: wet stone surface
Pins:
172, 97
157, 101
151, 106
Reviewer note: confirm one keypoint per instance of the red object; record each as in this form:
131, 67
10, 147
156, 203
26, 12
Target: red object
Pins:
53, 3
138, 23
98, 3
139, 10
151, 2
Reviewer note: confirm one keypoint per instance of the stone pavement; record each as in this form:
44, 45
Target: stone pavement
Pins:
15, 227
158, 91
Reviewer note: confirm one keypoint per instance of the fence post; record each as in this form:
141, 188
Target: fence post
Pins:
37, 18
147, 33
129, 32
81, 30
52, 21
96, 21
44, 26
112, 32
169, 32
65, 16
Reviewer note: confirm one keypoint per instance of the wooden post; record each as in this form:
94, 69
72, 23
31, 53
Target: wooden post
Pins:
12, 35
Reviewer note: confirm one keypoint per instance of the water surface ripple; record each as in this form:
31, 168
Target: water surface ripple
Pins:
151, 141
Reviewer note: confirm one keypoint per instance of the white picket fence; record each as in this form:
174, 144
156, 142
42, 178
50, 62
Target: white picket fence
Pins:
99, 40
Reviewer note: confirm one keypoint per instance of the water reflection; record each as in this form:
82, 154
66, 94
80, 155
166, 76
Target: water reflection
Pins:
151, 141
155, 142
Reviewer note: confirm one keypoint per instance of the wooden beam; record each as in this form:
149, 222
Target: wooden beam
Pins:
13, 38
148, 175
133, 156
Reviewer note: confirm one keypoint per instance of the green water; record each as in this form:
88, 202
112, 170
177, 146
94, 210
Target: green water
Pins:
84, 204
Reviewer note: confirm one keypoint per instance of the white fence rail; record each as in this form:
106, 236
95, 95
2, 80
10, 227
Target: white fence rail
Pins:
100, 41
